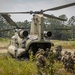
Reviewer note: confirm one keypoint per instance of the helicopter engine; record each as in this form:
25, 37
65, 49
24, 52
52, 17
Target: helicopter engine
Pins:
47, 34
22, 33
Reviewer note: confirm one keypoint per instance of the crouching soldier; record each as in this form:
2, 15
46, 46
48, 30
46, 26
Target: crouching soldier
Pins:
40, 61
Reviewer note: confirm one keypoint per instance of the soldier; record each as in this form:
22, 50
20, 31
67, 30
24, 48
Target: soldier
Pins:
65, 58
50, 63
40, 61
69, 63
51, 56
58, 53
73, 57
47, 52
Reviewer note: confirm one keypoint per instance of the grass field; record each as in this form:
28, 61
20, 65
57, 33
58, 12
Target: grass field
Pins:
11, 66
4, 42
64, 44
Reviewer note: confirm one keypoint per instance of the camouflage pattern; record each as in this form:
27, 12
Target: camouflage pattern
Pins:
64, 57
47, 52
73, 57
59, 48
40, 61
51, 56
58, 55
68, 62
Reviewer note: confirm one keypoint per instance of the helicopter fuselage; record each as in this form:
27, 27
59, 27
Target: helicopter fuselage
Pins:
21, 45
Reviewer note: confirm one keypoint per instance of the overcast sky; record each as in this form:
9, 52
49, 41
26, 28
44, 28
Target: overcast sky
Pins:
27, 5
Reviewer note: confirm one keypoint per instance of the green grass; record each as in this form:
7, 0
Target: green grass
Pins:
10, 66
64, 44
4, 39
4, 42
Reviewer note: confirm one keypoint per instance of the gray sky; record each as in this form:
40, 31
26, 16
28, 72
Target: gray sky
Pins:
27, 5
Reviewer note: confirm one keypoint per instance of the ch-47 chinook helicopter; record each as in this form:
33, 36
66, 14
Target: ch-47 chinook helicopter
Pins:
22, 42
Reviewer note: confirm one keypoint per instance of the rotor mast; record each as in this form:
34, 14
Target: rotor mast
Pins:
40, 26
37, 26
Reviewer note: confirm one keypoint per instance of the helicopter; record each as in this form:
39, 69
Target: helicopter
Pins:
23, 42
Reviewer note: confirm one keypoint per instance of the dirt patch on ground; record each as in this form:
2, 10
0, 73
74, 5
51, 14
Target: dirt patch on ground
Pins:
3, 49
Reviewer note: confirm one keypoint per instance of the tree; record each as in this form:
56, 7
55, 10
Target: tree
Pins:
51, 23
71, 22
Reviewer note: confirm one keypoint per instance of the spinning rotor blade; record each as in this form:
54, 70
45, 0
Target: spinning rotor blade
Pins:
60, 29
60, 7
51, 16
9, 20
30, 12
5, 30
40, 12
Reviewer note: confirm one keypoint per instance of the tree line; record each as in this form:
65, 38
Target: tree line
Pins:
61, 30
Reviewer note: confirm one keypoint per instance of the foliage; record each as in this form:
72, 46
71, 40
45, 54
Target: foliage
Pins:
15, 67
64, 44
31, 56
50, 66
12, 66
49, 23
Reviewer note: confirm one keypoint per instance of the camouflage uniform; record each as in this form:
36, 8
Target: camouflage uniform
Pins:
50, 64
64, 59
58, 53
47, 52
40, 61
68, 62
64, 56
73, 57
51, 56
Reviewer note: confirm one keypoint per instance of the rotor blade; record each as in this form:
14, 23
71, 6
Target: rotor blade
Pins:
51, 16
60, 7
5, 30
59, 29
30, 12
9, 20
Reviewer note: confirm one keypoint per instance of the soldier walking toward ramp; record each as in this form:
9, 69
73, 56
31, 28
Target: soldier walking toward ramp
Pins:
40, 61
68, 62
58, 53
47, 52
73, 57
65, 59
